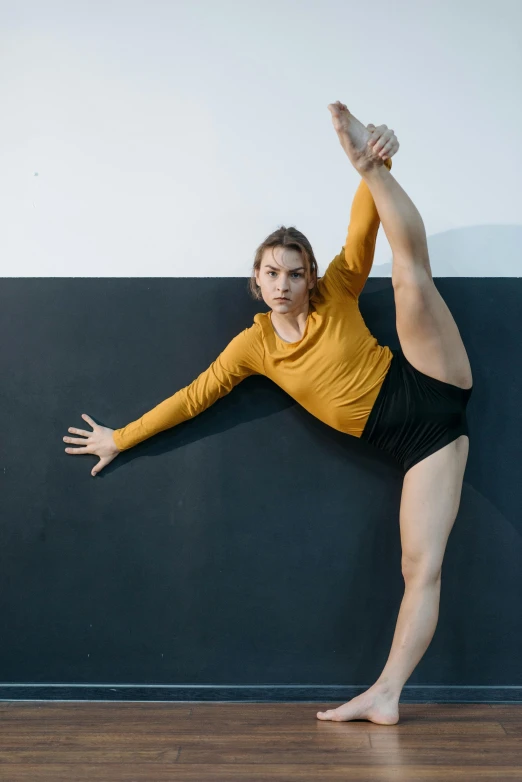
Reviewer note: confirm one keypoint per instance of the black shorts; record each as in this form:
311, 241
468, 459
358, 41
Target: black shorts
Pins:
415, 415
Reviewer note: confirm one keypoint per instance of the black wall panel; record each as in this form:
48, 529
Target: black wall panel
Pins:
252, 544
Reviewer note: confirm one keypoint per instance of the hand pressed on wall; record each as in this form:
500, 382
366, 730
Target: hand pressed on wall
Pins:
99, 442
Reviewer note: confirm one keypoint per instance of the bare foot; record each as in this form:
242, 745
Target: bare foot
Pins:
354, 138
376, 705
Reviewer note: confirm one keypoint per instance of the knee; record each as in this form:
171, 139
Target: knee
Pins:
421, 571
413, 275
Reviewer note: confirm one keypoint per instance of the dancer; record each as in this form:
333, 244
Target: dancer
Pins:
410, 402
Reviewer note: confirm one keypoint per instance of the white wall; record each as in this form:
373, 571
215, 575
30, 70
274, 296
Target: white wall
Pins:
155, 138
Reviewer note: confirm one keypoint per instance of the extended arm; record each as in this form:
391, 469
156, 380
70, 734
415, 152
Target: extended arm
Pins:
349, 270
241, 357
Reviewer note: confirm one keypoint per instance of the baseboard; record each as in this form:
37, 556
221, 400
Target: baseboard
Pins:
248, 693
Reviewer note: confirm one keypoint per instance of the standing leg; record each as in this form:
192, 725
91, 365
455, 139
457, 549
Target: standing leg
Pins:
429, 503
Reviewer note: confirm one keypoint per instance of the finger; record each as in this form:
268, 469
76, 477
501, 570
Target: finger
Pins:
376, 134
379, 129
79, 431
390, 148
382, 141
77, 450
75, 440
99, 467
88, 419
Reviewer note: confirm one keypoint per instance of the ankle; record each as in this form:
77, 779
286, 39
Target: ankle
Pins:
373, 170
387, 688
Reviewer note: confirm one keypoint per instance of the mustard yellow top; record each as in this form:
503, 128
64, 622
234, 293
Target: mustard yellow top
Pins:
335, 371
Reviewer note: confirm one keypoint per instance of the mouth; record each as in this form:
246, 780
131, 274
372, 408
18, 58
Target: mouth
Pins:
282, 298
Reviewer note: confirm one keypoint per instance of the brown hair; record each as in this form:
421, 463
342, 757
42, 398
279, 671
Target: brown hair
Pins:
284, 237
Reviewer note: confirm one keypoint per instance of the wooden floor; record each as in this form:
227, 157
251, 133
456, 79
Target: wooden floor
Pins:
250, 742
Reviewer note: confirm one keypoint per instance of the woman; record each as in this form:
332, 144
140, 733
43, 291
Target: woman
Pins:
314, 343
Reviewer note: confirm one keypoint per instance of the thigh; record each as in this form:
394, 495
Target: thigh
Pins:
429, 337
429, 505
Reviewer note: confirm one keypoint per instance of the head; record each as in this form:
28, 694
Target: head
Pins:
284, 266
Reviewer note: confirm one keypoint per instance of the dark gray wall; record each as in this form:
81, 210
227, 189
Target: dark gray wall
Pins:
252, 544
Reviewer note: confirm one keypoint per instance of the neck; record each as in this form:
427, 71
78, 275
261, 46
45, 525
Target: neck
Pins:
290, 326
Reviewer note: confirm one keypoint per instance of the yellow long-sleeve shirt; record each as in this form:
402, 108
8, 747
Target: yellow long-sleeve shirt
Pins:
335, 371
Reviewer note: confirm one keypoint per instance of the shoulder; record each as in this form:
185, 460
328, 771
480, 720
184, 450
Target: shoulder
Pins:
260, 320
336, 286
328, 294
247, 346
249, 337
261, 326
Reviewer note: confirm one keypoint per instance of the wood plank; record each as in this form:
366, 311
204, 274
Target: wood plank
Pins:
254, 773
112, 741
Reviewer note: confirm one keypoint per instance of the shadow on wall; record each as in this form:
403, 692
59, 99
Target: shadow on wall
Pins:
475, 251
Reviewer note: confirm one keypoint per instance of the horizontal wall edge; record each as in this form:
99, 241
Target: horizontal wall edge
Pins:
250, 693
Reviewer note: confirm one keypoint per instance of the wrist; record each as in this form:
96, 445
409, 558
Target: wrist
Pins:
375, 173
115, 441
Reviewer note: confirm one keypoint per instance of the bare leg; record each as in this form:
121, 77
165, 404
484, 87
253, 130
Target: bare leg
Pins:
414, 630
432, 488
399, 216
429, 505
428, 333
402, 224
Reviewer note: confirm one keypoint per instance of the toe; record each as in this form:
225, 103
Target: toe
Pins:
324, 715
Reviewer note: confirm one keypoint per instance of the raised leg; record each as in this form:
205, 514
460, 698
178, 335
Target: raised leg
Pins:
429, 504
429, 336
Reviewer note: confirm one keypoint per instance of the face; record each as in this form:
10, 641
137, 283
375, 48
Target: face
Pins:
283, 273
